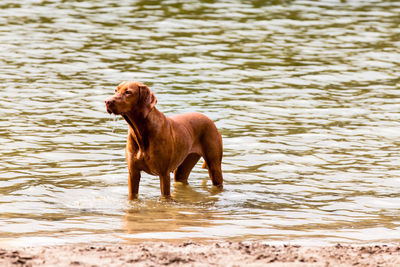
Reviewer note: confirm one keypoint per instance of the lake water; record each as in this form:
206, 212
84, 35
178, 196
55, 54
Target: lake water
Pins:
305, 93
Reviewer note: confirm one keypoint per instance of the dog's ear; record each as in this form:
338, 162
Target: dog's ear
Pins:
147, 99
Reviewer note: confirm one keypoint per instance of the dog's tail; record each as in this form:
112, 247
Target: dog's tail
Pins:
204, 165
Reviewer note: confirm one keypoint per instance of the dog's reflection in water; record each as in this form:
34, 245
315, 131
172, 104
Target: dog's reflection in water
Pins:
153, 218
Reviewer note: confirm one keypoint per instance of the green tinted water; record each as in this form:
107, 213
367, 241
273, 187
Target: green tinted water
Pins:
305, 94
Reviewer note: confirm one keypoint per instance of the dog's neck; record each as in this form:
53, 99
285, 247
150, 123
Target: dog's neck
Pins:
140, 126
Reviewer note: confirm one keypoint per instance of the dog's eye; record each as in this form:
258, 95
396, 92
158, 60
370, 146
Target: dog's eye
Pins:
128, 92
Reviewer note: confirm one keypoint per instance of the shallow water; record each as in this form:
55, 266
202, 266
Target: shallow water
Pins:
305, 94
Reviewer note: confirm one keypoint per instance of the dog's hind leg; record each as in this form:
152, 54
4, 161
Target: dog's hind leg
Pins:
215, 172
212, 153
181, 174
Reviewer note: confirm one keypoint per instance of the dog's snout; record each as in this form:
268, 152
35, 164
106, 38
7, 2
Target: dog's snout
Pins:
109, 102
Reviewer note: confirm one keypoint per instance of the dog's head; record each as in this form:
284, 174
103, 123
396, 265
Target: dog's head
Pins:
131, 96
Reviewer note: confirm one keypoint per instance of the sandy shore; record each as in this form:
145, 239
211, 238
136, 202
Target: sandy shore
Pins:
201, 254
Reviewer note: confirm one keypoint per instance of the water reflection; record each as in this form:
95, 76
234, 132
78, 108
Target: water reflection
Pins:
305, 94
188, 212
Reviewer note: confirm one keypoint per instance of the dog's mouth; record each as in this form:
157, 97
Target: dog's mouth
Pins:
109, 111
111, 106
112, 110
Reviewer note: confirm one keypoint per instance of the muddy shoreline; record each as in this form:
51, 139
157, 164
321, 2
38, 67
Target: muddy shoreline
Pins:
201, 254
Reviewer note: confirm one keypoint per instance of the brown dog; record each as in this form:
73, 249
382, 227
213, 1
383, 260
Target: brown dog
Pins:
160, 145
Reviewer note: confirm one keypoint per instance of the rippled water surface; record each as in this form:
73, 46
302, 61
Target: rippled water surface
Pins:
305, 94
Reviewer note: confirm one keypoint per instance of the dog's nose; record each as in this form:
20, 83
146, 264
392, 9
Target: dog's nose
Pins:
109, 102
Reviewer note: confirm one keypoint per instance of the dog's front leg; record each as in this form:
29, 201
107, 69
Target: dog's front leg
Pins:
165, 183
133, 183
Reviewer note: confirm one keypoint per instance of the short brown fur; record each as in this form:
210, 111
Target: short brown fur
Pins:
158, 144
